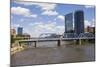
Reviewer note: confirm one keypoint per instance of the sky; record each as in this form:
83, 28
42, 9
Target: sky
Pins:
37, 18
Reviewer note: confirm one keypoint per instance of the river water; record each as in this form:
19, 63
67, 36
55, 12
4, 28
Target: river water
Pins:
50, 43
48, 53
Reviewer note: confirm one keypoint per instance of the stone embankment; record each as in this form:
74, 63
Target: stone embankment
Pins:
17, 49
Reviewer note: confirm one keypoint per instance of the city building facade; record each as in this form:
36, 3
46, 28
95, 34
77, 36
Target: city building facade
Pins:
74, 24
90, 29
20, 31
69, 23
79, 22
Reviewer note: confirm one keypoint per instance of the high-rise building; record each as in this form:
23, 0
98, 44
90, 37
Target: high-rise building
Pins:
90, 29
69, 23
79, 22
74, 23
20, 31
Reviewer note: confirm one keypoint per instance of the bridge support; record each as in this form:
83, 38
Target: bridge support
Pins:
80, 42
59, 43
19, 44
35, 44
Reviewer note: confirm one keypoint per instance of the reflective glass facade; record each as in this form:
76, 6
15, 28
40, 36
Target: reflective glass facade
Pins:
79, 22
69, 23
20, 31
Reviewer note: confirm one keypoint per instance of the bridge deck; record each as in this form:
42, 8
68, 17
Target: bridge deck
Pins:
53, 39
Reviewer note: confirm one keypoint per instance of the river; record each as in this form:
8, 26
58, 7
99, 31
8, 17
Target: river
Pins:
50, 53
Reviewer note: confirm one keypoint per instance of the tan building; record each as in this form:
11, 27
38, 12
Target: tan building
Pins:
90, 29
24, 36
13, 31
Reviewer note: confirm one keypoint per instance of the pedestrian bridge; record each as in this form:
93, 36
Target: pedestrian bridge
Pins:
59, 40
54, 39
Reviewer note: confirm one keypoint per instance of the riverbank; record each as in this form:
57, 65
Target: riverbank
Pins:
16, 49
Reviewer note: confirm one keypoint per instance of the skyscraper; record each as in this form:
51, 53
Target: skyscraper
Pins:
20, 31
69, 23
79, 22
74, 23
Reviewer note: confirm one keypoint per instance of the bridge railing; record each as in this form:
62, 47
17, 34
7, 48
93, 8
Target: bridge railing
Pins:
70, 36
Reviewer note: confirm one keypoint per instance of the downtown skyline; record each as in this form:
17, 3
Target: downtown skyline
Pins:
37, 18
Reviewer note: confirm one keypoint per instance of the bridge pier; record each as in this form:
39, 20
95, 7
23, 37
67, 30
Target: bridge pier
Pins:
19, 44
80, 42
35, 44
59, 43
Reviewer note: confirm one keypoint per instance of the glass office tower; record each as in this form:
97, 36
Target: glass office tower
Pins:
69, 26
69, 23
20, 31
79, 22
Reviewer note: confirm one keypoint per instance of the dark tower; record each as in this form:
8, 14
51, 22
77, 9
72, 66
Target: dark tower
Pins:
79, 22
20, 31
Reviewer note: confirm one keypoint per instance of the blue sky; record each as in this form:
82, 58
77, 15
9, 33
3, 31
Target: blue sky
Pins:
37, 18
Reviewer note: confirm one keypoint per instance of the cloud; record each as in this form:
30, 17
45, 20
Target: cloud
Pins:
38, 28
43, 26
22, 11
47, 8
60, 28
43, 6
93, 23
49, 13
15, 25
89, 23
89, 6
21, 20
60, 17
